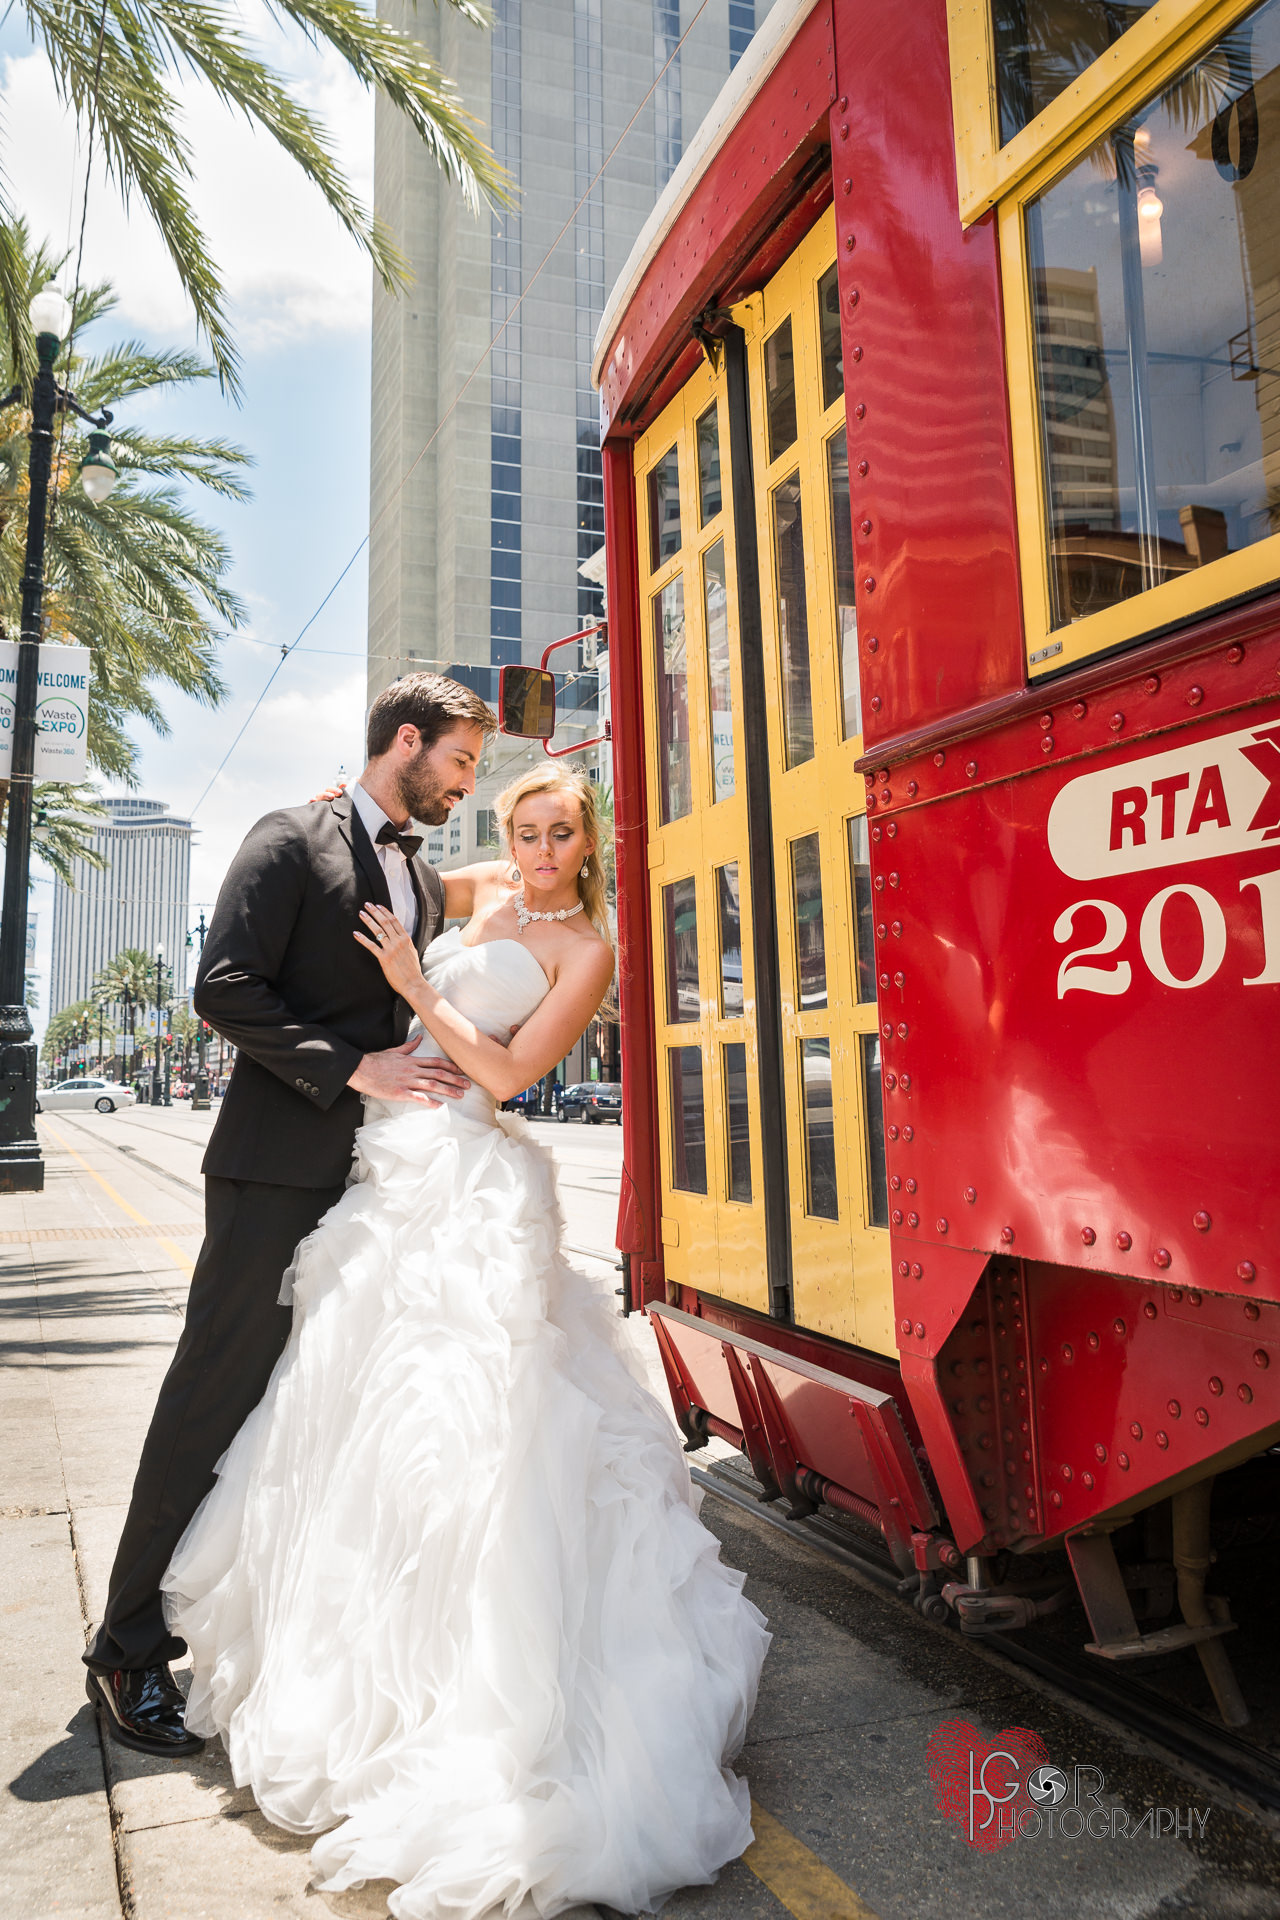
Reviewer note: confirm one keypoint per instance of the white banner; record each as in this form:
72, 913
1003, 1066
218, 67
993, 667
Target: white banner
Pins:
62, 711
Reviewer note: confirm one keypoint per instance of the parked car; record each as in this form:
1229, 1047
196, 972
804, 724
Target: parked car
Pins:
87, 1094
526, 1102
592, 1102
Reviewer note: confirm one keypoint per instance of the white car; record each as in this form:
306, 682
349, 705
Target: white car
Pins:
86, 1094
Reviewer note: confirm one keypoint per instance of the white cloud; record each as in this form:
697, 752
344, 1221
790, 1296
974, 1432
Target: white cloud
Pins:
289, 268
295, 744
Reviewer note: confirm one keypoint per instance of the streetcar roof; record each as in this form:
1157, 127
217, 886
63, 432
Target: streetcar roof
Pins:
766, 47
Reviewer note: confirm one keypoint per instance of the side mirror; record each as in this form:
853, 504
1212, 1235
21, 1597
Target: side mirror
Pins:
527, 702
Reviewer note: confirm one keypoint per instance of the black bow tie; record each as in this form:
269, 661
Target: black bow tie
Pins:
408, 843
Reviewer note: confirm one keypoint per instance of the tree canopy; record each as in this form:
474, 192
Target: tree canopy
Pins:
114, 62
131, 974
68, 1027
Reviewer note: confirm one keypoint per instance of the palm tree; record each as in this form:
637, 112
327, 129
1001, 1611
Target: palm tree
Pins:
139, 580
112, 61
130, 976
62, 815
127, 981
67, 1028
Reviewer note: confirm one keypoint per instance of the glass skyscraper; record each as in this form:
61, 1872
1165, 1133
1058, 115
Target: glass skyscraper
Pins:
486, 488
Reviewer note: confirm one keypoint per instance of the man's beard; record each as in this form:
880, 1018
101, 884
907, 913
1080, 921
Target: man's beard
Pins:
422, 795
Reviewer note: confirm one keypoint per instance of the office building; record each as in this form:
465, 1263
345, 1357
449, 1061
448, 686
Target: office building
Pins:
486, 491
140, 899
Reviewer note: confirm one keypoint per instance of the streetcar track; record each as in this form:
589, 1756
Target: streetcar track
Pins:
1182, 1739
190, 1186
152, 1166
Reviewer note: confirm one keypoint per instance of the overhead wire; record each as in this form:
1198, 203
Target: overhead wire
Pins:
445, 417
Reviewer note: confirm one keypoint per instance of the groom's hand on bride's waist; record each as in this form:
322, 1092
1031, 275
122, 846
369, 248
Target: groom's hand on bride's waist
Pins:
402, 1074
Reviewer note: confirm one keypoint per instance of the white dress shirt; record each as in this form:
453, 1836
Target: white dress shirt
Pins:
404, 905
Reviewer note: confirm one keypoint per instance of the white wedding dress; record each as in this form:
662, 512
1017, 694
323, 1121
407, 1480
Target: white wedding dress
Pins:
449, 1604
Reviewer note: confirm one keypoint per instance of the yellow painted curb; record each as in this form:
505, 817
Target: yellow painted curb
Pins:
797, 1877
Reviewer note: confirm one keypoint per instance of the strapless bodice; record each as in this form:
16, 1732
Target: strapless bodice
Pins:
496, 985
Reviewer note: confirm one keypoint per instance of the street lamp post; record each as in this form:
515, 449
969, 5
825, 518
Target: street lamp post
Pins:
21, 1164
155, 1065
126, 1056
200, 1088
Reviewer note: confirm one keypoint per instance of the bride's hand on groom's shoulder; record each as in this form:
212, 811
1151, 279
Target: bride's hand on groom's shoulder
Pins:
391, 947
330, 793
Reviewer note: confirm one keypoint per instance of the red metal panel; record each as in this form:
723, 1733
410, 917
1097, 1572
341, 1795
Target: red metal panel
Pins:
1135, 1384
701, 1361
868, 1369
812, 1418
728, 217
939, 609
1091, 1111
639, 1209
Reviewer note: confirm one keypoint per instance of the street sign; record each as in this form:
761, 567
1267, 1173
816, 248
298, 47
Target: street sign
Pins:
62, 711
126, 1044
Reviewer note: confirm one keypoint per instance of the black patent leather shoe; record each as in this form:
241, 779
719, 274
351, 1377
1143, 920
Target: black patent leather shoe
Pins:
143, 1709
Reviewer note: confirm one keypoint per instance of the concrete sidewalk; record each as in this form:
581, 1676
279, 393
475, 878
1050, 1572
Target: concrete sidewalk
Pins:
93, 1275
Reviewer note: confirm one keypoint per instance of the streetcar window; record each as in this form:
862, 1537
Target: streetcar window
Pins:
806, 904
842, 560
730, 916
719, 680
737, 1121
1157, 338
1042, 45
819, 1130
829, 330
780, 390
680, 917
688, 1121
873, 1108
664, 510
709, 497
793, 622
675, 783
863, 912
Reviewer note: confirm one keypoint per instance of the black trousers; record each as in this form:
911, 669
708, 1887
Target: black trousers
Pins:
235, 1332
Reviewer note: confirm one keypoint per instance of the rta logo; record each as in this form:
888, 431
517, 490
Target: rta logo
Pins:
1006, 1788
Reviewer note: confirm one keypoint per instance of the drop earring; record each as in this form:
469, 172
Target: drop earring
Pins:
515, 874
586, 868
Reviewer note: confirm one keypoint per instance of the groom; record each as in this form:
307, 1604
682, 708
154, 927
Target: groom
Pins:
316, 1026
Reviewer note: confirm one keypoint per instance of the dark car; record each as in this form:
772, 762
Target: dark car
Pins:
528, 1102
592, 1101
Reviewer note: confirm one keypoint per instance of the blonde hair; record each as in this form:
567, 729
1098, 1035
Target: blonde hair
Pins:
591, 884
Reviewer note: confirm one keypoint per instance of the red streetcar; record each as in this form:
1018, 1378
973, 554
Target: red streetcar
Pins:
941, 402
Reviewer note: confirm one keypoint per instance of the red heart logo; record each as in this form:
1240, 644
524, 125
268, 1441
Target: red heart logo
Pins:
981, 1784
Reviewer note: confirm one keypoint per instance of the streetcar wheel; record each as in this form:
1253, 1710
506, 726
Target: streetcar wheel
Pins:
104, 1105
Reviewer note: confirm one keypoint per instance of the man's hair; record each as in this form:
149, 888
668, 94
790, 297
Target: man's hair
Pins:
431, 703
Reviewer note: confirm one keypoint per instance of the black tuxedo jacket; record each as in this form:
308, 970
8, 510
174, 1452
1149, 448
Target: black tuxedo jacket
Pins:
283, 980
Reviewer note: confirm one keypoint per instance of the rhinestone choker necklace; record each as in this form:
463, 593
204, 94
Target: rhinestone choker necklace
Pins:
524, 916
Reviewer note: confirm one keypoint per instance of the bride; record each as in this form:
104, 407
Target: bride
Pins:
449, 1604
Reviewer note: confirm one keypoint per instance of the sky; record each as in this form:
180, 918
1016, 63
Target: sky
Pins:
300, 298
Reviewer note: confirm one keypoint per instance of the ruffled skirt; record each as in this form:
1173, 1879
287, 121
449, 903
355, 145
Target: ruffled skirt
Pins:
450, 1605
